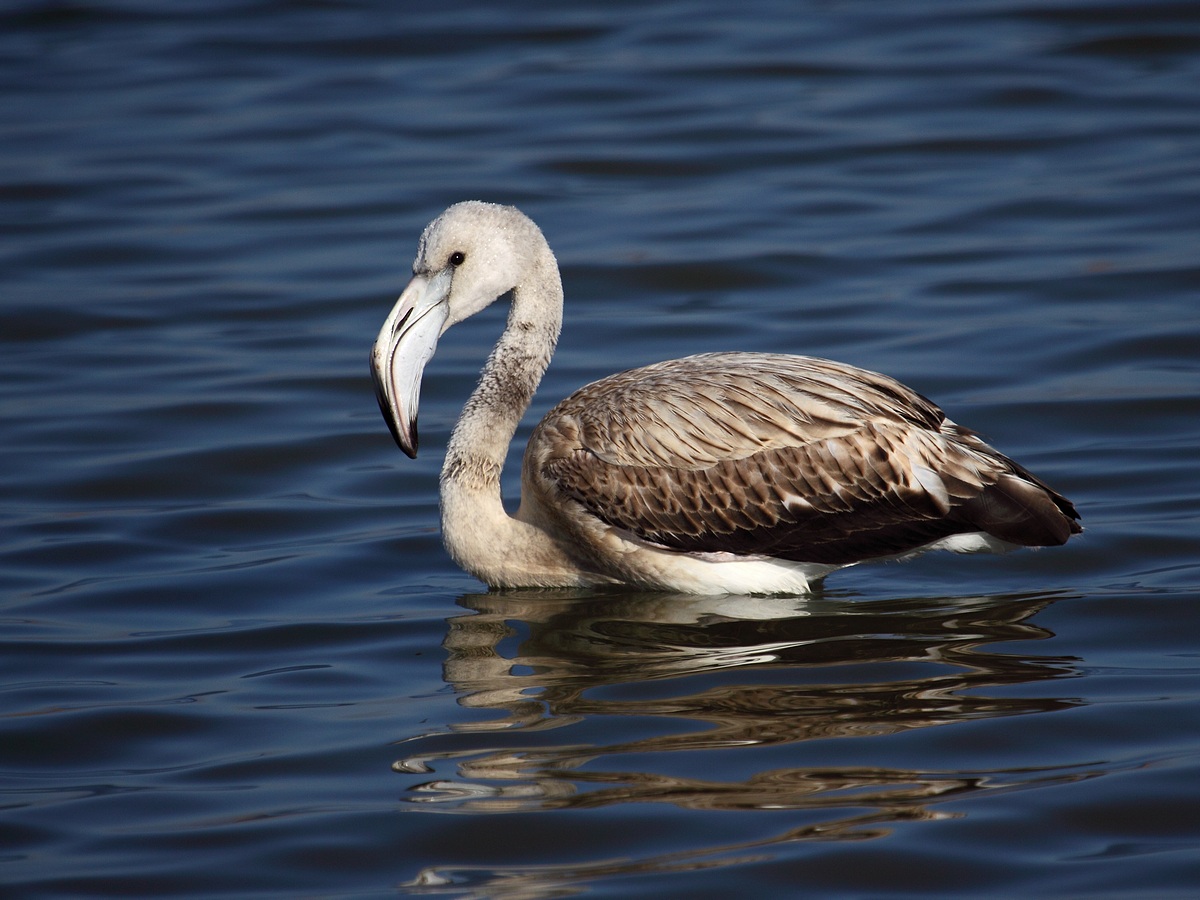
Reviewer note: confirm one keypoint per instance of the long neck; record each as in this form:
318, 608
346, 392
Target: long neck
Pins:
479, 534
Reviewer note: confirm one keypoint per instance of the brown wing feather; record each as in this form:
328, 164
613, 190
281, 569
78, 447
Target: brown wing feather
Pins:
782, 456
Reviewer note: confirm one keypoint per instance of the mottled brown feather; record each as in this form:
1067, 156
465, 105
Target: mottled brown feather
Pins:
782, 456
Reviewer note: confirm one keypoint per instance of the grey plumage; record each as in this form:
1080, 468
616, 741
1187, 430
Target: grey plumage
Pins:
725, 472
783, 456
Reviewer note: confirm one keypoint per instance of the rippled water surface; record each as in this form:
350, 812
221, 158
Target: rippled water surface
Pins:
236, 660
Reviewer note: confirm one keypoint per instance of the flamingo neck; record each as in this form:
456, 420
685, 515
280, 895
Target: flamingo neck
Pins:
481, 537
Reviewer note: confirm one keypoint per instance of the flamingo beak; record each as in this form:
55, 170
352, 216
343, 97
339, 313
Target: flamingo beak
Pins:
405, 344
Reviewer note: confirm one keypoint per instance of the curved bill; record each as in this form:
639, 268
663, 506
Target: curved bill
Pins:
405, 344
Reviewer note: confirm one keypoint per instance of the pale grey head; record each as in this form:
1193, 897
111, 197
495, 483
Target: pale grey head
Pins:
467, 257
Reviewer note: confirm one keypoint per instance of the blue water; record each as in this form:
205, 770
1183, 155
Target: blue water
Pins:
235, 660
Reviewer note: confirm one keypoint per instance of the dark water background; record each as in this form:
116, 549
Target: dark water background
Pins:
234, 659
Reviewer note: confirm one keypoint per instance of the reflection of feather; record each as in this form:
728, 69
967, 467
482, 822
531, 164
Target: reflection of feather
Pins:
706, 682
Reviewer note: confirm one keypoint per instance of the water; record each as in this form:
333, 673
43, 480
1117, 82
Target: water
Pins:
235, 659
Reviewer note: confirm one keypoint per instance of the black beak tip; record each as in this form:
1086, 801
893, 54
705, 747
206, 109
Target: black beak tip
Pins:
410, 446
406, 443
